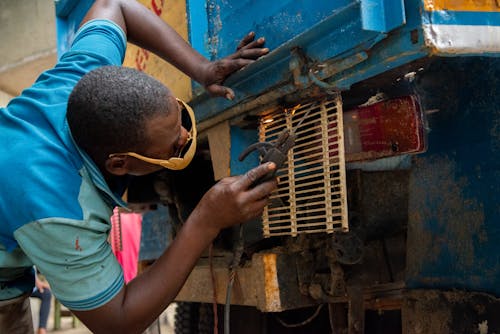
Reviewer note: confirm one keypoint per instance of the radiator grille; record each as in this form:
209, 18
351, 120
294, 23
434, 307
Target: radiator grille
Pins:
311, 195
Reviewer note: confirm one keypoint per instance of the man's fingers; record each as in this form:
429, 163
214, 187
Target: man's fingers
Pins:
219, 90
255, 174
233, 65
262, 190
252, 53
256, 208
246, 40
257, 44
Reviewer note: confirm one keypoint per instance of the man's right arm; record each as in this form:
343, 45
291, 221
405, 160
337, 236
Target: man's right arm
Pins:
232, 201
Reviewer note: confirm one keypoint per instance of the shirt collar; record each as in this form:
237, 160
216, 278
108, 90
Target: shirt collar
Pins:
98, 179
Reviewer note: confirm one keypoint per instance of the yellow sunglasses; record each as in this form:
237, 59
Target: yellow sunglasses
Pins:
174, 163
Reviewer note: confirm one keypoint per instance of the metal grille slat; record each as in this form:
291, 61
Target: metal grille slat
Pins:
310, 203
322, 224
311, 197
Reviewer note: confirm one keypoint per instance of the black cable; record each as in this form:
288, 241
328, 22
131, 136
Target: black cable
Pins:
238, 252
305, 322
387, 260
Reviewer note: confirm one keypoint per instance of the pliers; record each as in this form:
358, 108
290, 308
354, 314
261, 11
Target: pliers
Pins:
276, 152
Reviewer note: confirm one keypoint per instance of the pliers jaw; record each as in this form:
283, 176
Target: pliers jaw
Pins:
276, 152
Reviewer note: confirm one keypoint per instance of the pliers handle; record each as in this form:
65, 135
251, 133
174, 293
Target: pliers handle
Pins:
272, 152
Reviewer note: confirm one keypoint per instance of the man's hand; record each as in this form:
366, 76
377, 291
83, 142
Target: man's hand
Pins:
233, 200
217, 71
41, 285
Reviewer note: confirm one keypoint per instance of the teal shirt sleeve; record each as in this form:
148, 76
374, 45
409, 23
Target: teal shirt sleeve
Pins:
74, 255
99, 38
76, 259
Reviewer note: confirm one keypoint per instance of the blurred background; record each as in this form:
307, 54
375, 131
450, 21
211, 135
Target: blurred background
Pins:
27, 44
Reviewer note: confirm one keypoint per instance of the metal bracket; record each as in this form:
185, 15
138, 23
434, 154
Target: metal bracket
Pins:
382, 15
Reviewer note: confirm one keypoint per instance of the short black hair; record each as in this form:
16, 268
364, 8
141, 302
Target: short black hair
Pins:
108, 109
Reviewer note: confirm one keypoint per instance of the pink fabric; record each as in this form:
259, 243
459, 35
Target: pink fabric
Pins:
126, 244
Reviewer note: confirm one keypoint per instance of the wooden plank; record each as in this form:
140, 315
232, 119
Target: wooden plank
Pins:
219, 140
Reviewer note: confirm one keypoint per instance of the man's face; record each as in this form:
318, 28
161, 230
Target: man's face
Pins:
166, 138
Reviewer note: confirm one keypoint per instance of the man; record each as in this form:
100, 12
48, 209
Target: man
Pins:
68, 145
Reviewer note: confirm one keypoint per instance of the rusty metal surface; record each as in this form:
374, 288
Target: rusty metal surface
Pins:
453, 230
272, 299
267, 282
459, 312
199, 288
378, 202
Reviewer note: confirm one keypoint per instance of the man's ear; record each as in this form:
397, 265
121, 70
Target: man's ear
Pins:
117, 165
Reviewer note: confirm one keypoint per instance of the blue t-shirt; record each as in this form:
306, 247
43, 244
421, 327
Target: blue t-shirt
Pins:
54, 202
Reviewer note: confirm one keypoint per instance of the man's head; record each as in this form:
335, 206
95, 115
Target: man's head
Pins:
117, 109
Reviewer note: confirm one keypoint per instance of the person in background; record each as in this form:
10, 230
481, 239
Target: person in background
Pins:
70, 144
42, 292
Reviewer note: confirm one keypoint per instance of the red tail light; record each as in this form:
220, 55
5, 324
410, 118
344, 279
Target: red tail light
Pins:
383, 129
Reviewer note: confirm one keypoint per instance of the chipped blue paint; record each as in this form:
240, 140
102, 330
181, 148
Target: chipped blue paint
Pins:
341, 33
453, 229
197, 20
240, 139
278, 21
462, 18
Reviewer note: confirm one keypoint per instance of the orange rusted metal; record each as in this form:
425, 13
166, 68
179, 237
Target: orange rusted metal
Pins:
271, 286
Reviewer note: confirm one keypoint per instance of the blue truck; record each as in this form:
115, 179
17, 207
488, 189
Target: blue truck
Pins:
387, 215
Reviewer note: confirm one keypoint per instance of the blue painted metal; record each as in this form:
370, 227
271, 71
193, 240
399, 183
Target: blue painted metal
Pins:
198, 25
278, 21
328, 44
454, 230
156, 233
339, 34
240, 139
462, 18
382, 15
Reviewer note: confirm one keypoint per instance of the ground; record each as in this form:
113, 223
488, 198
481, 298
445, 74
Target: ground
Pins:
166, 322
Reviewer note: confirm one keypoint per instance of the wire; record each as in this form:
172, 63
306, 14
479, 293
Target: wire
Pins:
238, 252
214, 288
387, 260
305, 322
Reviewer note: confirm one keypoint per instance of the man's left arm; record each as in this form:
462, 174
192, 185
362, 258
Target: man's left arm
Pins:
149, 31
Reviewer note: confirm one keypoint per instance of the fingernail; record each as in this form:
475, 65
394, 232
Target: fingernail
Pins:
229, 96
265, 50
272, 165
261, 40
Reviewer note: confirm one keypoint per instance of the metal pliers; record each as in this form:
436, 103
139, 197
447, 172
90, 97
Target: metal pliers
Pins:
276, 152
